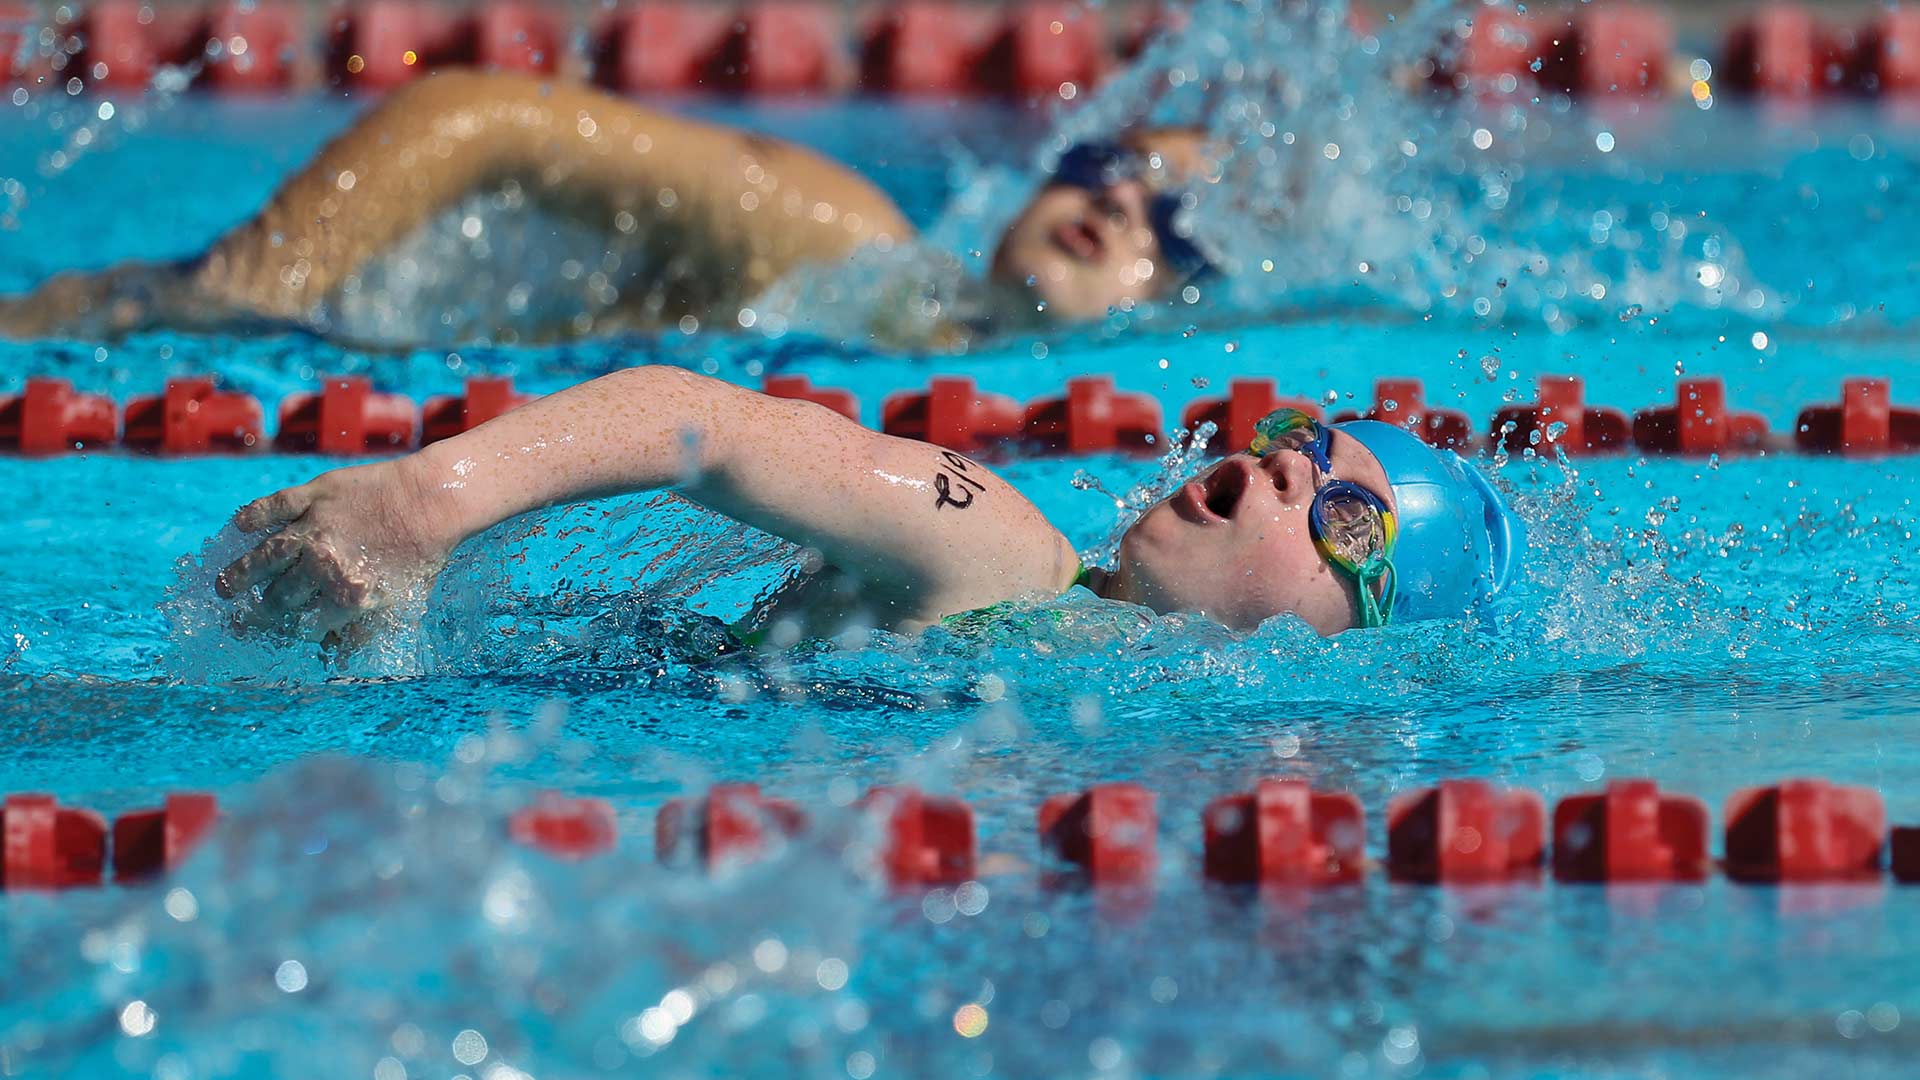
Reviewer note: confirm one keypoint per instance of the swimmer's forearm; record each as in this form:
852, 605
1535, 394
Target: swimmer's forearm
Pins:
633, 430
926, 530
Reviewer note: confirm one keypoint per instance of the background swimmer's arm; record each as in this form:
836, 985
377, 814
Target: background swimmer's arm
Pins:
926, 532
761, 203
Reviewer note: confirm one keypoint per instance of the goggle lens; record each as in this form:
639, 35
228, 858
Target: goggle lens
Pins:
1355, 531
1351, 527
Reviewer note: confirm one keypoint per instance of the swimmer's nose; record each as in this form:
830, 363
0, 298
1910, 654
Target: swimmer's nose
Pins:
1292, 475
1124, 204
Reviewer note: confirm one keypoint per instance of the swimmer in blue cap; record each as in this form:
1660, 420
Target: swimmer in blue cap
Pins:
1353, 525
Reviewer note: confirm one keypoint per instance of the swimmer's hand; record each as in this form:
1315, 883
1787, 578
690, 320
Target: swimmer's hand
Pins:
337, 548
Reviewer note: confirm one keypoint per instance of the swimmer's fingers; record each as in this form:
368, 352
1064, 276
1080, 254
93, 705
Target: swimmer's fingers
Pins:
273, 510
265, 562
281, 604
339, 644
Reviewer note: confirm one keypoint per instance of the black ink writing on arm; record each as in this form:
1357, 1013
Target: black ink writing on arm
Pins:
943, 484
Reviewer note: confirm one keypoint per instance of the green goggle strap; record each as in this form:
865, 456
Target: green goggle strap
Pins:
1375, 613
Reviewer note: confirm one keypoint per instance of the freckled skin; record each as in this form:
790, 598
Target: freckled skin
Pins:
352, 540
355, 537
730, 212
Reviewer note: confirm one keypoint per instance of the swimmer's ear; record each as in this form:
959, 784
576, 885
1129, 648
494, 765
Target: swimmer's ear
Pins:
273, 511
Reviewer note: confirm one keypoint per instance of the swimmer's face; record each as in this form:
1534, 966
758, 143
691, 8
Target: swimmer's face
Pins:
1082, 253
1234, 546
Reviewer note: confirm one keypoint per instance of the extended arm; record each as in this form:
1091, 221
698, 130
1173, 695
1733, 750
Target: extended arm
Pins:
926, 532
740, 208
767, 202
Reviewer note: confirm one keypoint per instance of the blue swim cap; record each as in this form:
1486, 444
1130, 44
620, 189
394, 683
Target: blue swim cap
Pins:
1459, 543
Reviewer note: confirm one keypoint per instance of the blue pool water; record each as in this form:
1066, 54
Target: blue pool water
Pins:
1712, 624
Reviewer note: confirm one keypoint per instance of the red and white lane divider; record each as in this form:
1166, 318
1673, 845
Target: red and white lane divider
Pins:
1283, 832
916, 47
771, 47
347, 416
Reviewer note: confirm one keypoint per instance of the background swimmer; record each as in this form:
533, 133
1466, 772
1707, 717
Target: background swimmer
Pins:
716, 215
907, 534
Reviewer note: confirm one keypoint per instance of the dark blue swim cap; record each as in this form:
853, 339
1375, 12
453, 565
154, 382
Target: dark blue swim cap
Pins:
1093, 166
1459, 543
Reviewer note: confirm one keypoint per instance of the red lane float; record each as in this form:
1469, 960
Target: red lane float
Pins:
1233, 416
927, 841
798, 388
1044, 45
1887, 58
518, 37
1616, 49
1698, 423
126, 41
191, 417
660, 45
951, 413
1630, 832
565, 827
44, 845
19, 55
1109, 832
486, 397
1500, 50
345, 417
1092, 418
147, 843
1403, 403
1804, 830
1465, 831
387, 43
1563, 418
260, 47
926, 47
782, 47
1285, 833
732, 824
1782, 51
50, 417
1864, 423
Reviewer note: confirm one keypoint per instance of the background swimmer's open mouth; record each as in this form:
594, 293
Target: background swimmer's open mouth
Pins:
1080, 239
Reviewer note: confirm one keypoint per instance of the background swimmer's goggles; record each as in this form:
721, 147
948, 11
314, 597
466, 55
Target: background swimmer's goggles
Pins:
1352, 528
1097, 166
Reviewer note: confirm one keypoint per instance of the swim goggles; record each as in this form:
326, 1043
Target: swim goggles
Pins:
1096, 166
1351, 527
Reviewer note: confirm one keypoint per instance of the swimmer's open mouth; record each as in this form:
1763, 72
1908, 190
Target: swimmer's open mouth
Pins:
1214, 497
1224, 487
1079, 239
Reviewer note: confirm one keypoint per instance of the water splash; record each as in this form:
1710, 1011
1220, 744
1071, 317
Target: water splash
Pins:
619, 585
1342, 184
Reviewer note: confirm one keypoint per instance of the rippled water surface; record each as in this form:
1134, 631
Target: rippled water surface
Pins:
1712, 624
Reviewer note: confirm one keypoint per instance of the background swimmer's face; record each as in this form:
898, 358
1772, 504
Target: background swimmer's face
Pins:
1234, 546
1083, 252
